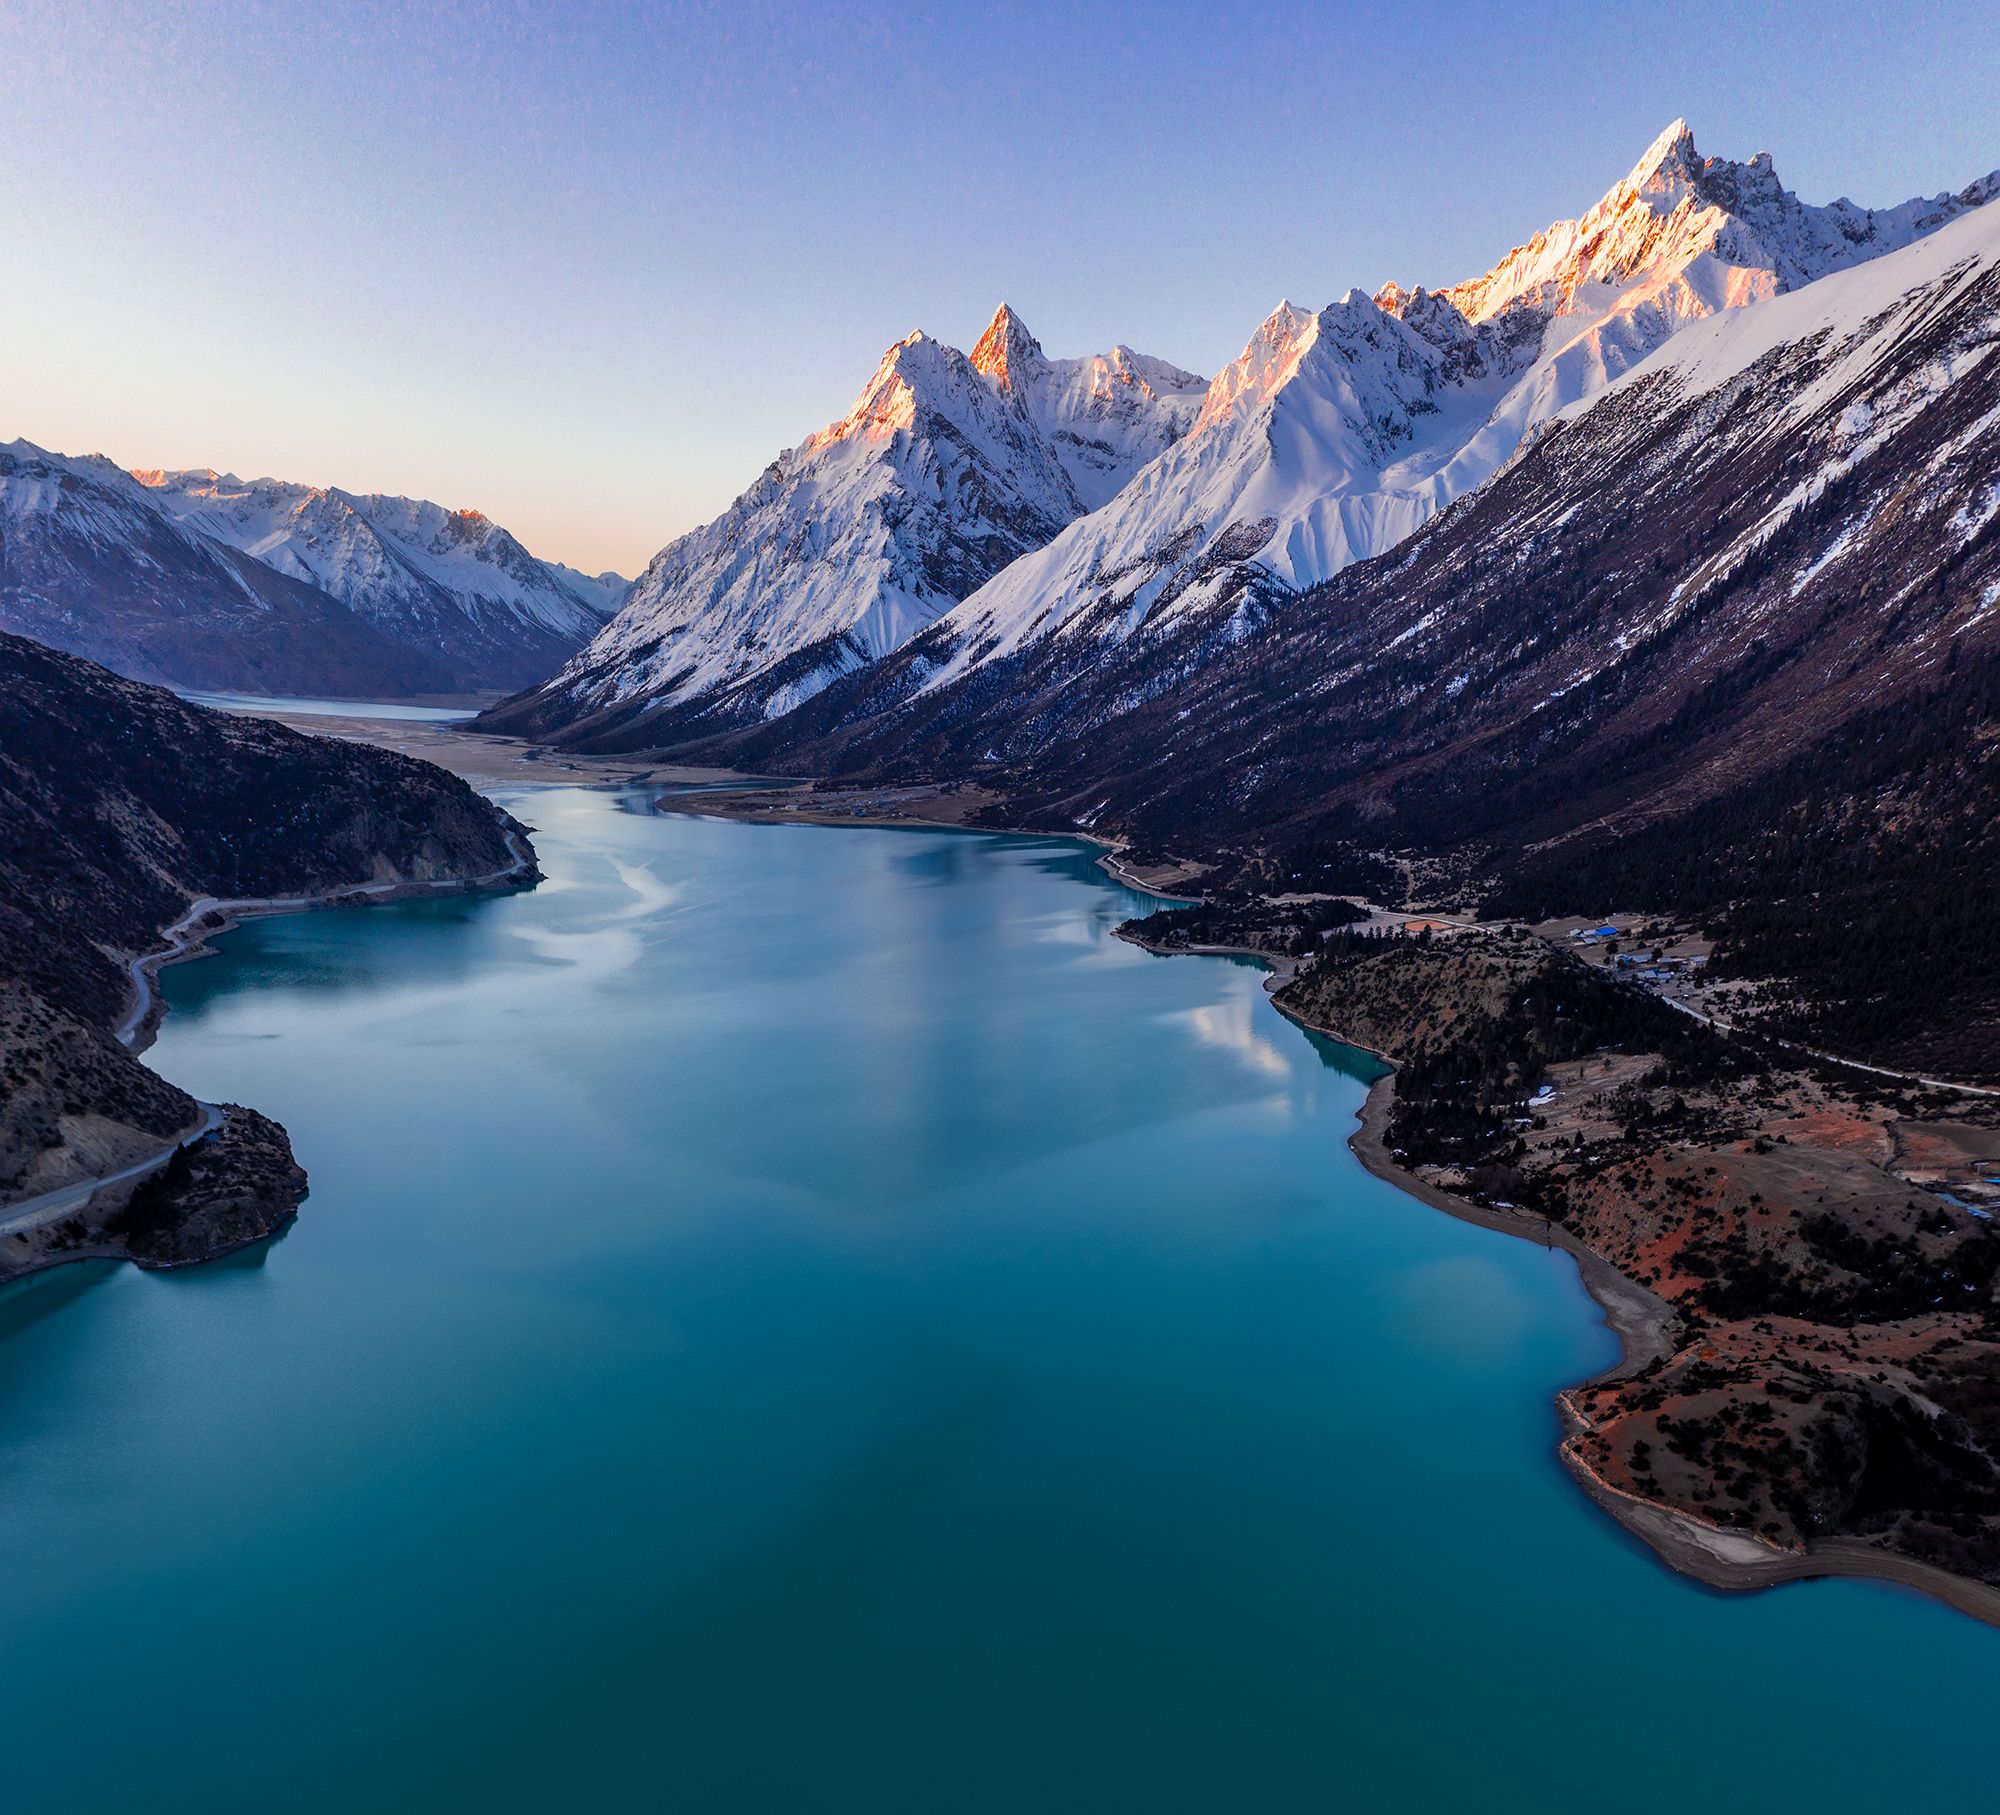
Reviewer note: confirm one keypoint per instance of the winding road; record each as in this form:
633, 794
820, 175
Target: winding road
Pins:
1833, 1058
181, 935
53, 1206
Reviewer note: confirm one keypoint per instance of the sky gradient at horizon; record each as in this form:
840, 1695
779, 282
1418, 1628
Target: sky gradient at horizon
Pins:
590, 268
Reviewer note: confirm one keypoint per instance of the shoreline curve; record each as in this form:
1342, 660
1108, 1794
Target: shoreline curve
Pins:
188, 938
1644, 1323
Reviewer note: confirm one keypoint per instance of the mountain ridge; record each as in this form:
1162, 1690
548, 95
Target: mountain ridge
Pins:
450, 581
89, 564
197, 580
1637, 652
1340, 457
1334, 436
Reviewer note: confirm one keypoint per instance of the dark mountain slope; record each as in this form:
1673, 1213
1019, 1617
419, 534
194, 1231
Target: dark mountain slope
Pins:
119, 806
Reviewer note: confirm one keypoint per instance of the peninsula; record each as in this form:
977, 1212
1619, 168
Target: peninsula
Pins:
134, 825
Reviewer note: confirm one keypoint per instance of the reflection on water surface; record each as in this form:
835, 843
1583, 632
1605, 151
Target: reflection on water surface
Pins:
796, 1319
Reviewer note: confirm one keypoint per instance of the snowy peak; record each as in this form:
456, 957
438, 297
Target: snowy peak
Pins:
847, 545
1009, 355
1676, 207
1335, 435
452, 581
1018, 497
1374, 368
604, 591
887, 401
947, 468
98, 497
1669, 170
1353, 374
1655, 213
381, 556
1264, 367
91, 563
1104, 417
1283, 477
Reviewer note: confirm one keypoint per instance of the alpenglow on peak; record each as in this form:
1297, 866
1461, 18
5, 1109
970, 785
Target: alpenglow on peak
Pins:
945, 469
1009, 498
1335, 435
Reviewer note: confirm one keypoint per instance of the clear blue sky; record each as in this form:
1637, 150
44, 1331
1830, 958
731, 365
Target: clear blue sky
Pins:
589, 268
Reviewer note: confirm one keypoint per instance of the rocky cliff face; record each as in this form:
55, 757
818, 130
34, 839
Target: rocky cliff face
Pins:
217, 1194
119, 806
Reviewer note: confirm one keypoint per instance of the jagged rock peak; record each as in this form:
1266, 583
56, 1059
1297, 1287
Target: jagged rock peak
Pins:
1007, 351
1671, 165
1677, 207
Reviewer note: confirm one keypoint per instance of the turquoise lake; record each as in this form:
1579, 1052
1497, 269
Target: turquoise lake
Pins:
795, 1319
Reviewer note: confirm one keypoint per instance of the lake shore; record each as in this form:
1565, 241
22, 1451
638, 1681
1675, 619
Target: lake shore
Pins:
50, 1227
1645, 1324
1646, 1327
188, 938
1648, 1331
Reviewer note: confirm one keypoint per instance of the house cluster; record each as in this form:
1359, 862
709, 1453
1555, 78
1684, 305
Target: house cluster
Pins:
1652, 969
1656, 970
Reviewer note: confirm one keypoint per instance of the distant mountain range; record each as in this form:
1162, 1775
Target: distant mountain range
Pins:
953, 514
200, 579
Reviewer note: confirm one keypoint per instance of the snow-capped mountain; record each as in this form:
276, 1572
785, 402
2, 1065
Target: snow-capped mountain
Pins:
89, 563
1337, 434
602, 592
946, 469
1105, 417
445, 580
1781, 524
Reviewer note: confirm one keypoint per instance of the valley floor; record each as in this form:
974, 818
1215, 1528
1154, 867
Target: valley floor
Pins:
491, 762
